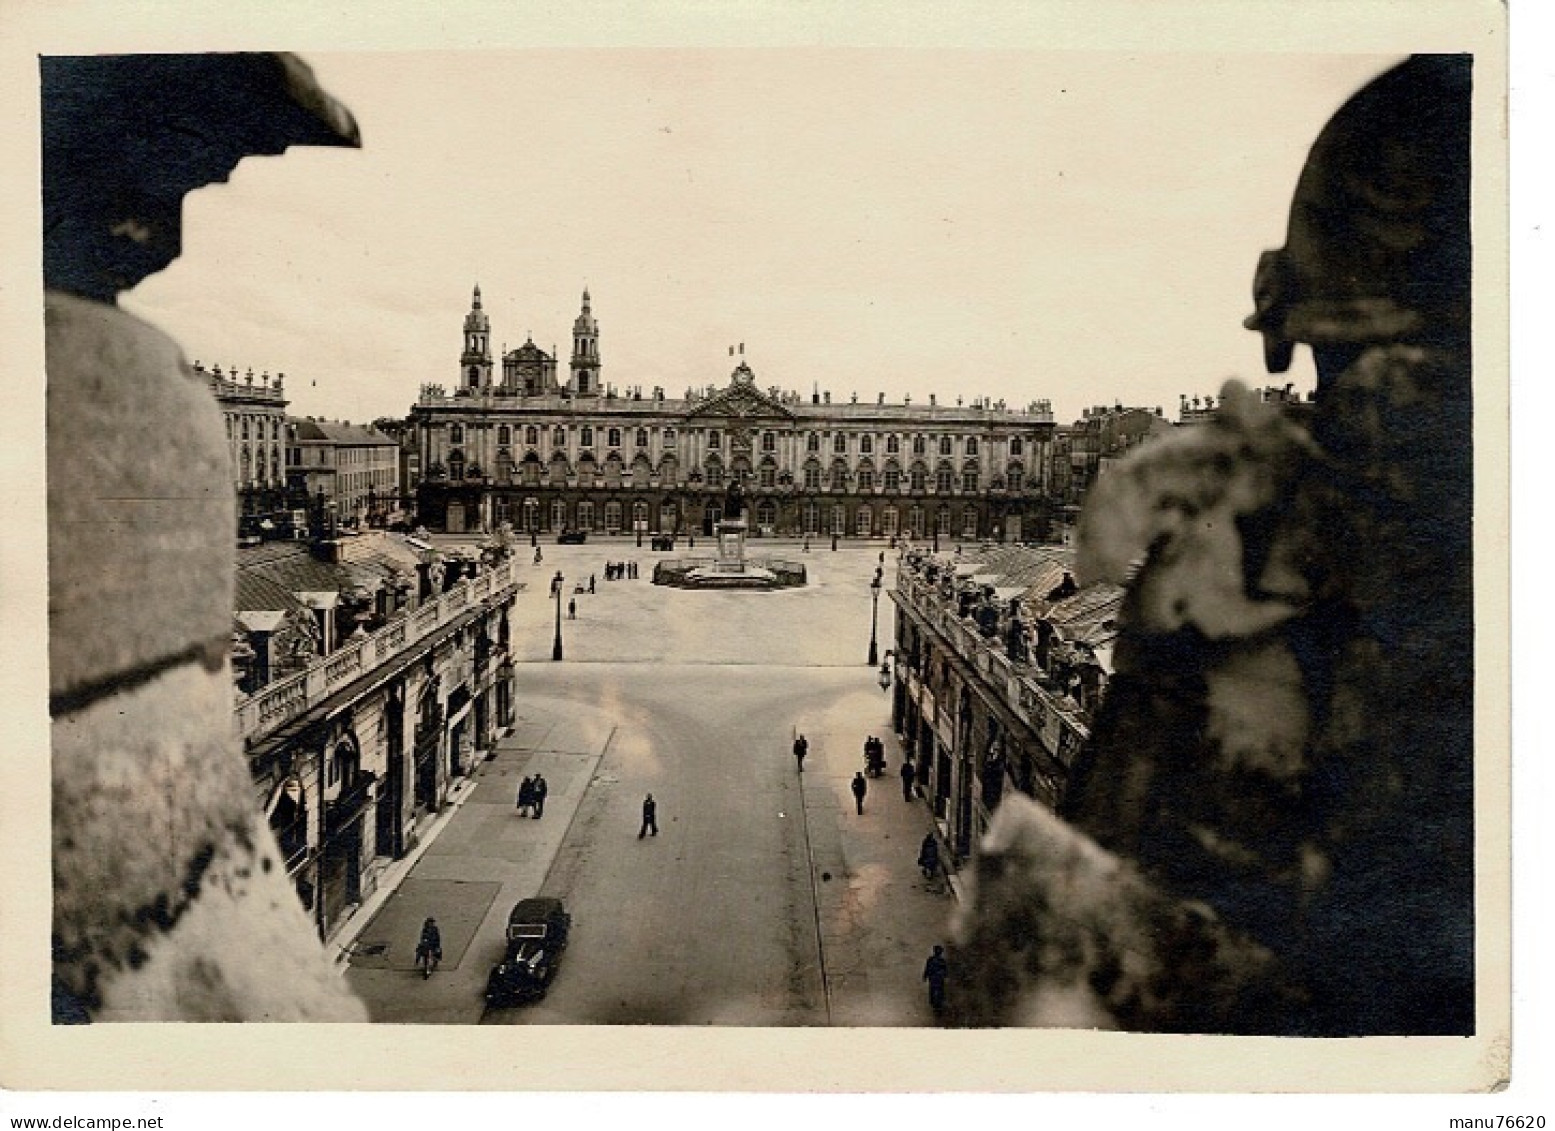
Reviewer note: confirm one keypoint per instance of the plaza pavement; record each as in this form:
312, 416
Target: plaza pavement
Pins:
875, 917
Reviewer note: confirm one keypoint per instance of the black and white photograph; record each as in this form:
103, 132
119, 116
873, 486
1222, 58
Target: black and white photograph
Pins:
853, 552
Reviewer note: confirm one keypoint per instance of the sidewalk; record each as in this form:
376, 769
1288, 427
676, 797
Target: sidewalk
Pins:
878, 917
478, 860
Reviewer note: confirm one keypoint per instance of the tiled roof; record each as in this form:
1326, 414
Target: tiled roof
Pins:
334, 432
257, 593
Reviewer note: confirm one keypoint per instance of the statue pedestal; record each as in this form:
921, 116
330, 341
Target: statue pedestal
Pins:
731, 545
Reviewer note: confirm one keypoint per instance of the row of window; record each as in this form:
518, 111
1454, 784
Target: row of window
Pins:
866, 445
610, 517
258, 431
891, 480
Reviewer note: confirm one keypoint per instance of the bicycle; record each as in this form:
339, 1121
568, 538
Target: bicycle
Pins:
427, 959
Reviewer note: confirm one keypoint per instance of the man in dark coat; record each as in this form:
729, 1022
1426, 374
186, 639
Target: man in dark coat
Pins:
801, 748
909, 774
935, 971
860, 787
526, 796
540, 789
650, 818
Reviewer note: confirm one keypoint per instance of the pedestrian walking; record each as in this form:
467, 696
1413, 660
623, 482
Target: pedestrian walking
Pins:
591, 583
650, 818
909, 774
860, 787
526, 796
801, 748
539, 557
928, 856
807, 545
429, 947
572, 608
540, 789
935, 971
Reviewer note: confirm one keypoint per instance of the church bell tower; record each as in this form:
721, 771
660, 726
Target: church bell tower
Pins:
585, 353
475, 361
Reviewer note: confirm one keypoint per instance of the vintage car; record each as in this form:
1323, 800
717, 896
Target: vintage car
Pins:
663, 541
572, 537
536, 937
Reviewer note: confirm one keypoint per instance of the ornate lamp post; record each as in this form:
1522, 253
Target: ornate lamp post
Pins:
885, 671
874, 618
557, 583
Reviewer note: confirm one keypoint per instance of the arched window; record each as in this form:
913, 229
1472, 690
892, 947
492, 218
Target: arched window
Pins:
587, 438
767, 475
812, 516
504, 435
915, 525
893, 477
944, 445
558, 516
812, 442
888, 521
669, 471
769, 441
456, 433
893, 446
866, 479
612, 517
969, 523
1015, 446
766, 513
812, 476
532, 436
919, 478
642, 471
839, 519
585, 515
971, 445
866, 445
839, 475
613, 438
504, 466
862, 522
642, 437
456, 465
713, 473
475, 376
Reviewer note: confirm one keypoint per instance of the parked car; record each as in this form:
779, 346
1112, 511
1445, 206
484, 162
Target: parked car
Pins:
536, 937
572, 537
663, 541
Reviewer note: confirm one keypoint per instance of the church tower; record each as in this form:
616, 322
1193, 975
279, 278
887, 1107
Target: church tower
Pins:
585, 353
475, 362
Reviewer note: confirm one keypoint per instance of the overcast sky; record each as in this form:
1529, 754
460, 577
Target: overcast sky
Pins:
1077, 226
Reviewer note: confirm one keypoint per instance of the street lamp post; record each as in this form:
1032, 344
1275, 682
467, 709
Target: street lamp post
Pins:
874, 619
885, 671
557, 583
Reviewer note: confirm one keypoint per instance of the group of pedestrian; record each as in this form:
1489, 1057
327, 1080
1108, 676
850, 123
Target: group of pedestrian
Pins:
531, 796
874, 756
618, 571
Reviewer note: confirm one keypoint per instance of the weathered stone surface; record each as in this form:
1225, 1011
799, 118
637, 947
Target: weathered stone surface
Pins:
170, 902
141, 507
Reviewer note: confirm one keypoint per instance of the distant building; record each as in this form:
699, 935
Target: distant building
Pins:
255, 416
545, 453
1196, 410
352, 469
1001, 661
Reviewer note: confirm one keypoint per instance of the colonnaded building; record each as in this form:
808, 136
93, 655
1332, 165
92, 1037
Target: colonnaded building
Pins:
524, 447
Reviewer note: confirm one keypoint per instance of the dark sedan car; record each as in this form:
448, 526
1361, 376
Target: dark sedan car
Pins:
572, 537
536, 937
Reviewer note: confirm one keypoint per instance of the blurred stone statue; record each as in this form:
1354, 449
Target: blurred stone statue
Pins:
734, 499
171, 901
1271, 829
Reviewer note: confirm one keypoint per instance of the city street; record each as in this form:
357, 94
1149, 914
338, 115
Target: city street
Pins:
765, 899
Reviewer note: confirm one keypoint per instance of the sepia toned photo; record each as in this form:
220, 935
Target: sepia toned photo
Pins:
700, 542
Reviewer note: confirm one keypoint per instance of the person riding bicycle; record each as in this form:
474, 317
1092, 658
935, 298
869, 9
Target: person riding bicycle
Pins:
429, 951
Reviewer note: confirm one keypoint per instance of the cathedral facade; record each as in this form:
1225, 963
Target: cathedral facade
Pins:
522, 445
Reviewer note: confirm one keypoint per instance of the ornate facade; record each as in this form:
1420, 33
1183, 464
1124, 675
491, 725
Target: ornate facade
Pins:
547, 456
255, 416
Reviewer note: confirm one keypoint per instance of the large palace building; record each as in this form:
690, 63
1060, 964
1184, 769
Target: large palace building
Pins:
521, 446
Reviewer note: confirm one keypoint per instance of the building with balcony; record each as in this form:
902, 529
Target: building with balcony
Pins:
372, 673
1001, 660
525, 446
255, 416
